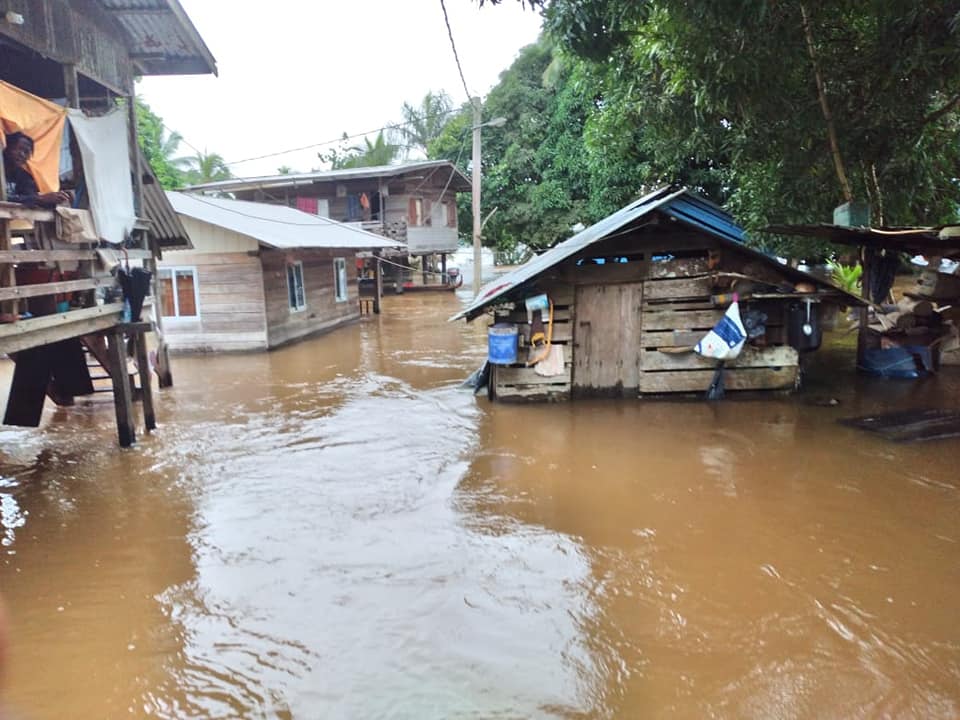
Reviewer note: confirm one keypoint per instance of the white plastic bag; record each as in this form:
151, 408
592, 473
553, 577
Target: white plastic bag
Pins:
726, 339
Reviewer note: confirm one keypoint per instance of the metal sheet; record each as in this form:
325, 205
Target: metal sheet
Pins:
276, 226
161, 38
681, 205
458, 182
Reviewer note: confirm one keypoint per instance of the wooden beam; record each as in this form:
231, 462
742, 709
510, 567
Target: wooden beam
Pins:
16, 211
146, 387
27, 291
25, 334
784, 378
122, 393
37, 256
71, 85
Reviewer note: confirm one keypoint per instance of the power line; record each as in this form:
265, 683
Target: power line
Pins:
390, 126
453, 45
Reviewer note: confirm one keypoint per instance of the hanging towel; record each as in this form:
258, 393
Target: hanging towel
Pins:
552, 364
106, 169
726, 339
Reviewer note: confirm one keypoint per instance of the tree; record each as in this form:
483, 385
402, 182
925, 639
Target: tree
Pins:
284, 170
206, 167
533, 166
776, 107
159, 147
370, 154
424, 124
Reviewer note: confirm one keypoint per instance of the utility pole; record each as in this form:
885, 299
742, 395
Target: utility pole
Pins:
477, 256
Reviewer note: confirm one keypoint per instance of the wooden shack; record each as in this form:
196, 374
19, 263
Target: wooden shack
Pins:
72, 63
922, 327
633, 294
259, 276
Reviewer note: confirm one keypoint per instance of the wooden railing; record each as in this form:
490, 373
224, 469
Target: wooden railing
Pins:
22, 329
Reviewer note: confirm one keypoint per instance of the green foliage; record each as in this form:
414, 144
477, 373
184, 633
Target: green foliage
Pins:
424, 123
159, 147
206, 167
846, 276
722, 95
370, 154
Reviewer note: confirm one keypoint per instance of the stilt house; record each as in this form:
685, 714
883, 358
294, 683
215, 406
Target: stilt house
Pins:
67, 70
414, 203
630, 296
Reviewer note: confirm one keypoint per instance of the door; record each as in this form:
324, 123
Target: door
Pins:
607, 337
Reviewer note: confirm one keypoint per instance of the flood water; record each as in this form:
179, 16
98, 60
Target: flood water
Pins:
336, 530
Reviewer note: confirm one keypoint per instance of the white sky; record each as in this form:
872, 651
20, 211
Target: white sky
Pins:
296, 72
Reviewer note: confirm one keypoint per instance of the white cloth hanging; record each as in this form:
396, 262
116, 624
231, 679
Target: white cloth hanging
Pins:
104, 147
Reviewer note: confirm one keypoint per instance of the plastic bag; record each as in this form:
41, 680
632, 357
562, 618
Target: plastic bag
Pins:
726, 339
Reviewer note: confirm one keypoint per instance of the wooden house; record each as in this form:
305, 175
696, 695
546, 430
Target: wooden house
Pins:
414, 203
633, 294
71, 64
258, 275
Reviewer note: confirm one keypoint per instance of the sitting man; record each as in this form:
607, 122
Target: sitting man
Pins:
21, 187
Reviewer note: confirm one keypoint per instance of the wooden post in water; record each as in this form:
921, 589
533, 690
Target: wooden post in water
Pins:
146, 388
378, 276
122, 393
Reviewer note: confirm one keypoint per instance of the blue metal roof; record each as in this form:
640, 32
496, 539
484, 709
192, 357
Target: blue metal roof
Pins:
682, 205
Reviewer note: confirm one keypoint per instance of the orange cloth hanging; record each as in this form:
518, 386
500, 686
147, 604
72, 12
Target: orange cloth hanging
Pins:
43, 121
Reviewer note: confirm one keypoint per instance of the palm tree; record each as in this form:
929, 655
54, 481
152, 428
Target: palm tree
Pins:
378, 152
206, 167
424, 123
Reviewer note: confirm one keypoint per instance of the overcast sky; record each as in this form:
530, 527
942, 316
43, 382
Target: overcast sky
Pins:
297, 72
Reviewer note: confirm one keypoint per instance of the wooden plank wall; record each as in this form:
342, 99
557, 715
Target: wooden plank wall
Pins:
677, 312
322, 312
658, 311
231, 304
519, 383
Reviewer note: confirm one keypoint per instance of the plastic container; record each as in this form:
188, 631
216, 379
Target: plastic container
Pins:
502, 343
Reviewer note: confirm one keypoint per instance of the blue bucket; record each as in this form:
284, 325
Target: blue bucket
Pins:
502, 344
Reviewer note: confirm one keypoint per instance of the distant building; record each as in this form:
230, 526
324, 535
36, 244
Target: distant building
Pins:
258, 275
415, 203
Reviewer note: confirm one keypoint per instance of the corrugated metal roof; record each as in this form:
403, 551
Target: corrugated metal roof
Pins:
165, 225
459, 180
681, 205
161, 38
276, 226
940, 240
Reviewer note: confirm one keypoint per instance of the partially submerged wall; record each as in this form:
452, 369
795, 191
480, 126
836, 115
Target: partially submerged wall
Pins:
629, 314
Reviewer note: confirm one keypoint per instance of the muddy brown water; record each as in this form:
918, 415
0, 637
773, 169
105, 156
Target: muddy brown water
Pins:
336, 530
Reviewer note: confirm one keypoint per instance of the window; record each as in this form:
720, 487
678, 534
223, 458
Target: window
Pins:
340, 279
179, 292
295, 292
415, 212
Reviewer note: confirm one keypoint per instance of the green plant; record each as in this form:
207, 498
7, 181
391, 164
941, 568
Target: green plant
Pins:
846, 276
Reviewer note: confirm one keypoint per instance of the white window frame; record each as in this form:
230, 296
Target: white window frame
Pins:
176, 296
340, 280
298, 271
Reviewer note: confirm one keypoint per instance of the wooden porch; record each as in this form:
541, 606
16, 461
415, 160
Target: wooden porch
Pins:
87, 306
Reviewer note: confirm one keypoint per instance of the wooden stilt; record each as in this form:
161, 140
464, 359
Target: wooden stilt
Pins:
378, 275
443, 268
146, 389
122, 393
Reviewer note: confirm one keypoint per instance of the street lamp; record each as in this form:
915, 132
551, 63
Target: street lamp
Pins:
477, 125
